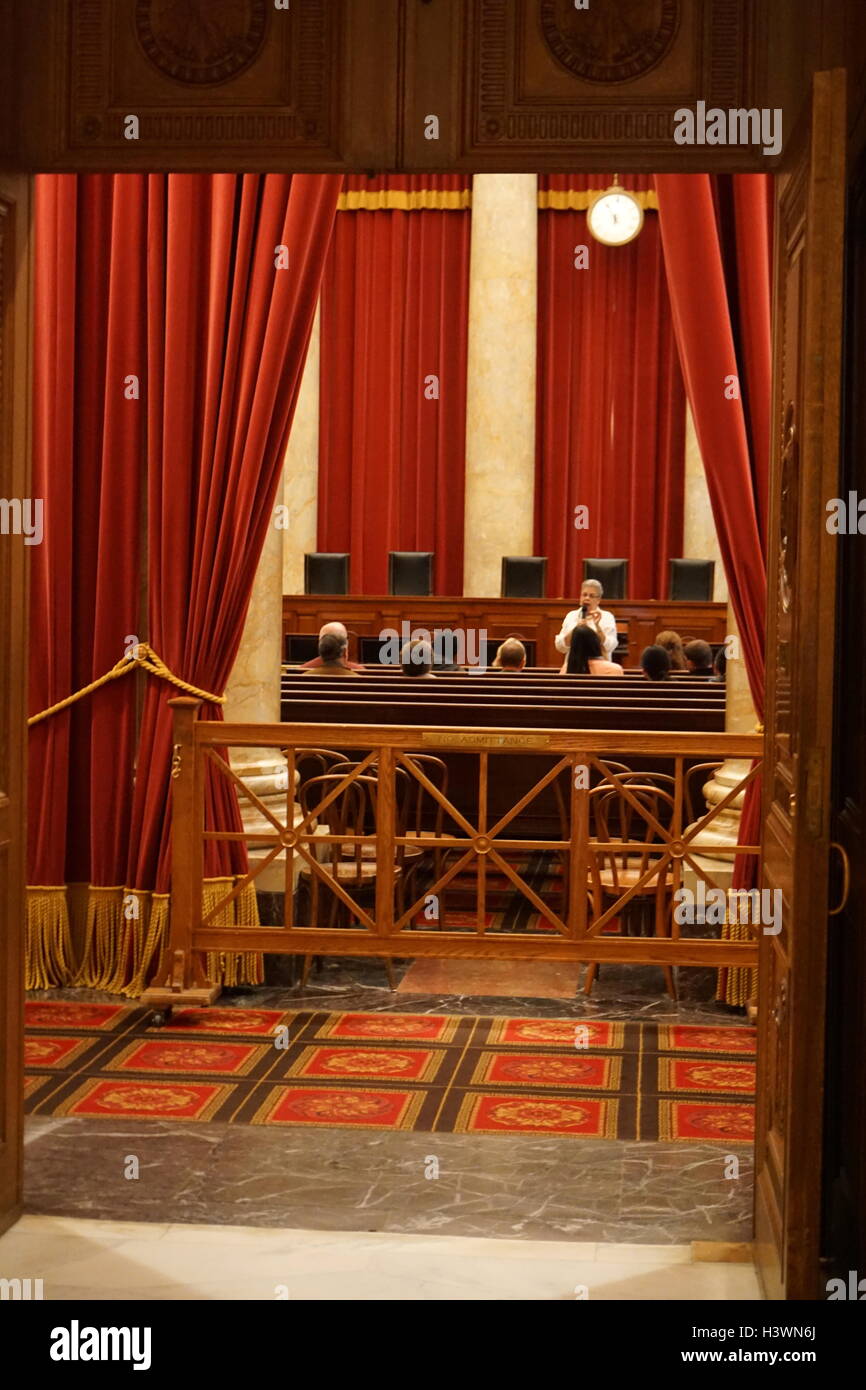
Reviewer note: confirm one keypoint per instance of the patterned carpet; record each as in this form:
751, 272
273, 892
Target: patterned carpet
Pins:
590, 1079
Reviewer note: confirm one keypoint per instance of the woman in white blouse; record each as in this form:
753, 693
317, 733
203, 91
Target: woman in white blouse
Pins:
592, 615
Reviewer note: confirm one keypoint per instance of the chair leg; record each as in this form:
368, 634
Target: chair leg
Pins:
669, 982
591, 974
389, 971
305, 972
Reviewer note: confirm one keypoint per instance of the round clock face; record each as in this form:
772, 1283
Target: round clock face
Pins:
615, 218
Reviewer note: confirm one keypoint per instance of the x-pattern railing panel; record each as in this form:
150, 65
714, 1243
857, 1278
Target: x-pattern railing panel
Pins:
386, 768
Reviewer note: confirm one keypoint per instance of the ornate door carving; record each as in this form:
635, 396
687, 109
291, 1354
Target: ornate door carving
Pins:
801, 660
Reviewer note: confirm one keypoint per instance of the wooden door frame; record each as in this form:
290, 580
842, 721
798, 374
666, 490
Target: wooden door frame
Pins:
15, 424
14, 939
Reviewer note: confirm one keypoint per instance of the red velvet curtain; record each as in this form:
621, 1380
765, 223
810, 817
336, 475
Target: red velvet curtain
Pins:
610, 427
181, 285
395, 299
85, 586
717, 237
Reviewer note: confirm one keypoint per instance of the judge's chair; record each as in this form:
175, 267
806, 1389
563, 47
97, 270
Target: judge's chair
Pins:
410, 573
524, 576
692, 580
612, 575
326, 572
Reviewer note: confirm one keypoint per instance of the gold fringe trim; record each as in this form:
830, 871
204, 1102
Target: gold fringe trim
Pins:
405, 200
233, 968
579, 199
736, 984
47, 939
127, 928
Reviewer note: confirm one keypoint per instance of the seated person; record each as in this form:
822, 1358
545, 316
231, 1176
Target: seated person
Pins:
656, 664
720, 666
673, 645
336, 630
416, 659
591, 614
332, 657
699, 657
584, 656
510, 656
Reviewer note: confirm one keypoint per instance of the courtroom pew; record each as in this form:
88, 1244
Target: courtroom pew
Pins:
338, 710
512, 775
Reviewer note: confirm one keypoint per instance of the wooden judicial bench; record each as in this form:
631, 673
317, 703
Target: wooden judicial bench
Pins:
536, 619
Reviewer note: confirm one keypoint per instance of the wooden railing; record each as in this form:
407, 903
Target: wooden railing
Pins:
625, 839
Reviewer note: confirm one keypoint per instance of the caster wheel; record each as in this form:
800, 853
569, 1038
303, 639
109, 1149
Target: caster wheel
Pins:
161, 1017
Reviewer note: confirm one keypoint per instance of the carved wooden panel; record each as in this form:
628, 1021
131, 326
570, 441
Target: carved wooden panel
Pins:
229, 84
801, 657
546, 82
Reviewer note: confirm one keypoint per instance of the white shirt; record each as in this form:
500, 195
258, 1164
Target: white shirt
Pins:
605, 621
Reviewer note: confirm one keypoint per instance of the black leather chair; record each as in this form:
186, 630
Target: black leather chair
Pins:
692, 580
326, 572
299, 647
612, 575
524, 576
410, 572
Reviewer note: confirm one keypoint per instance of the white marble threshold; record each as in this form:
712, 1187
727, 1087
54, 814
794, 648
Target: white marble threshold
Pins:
115, 1260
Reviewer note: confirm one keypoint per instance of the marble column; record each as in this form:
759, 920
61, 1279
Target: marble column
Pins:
253, 697
740, 718
301, 475
700, 541
500, 395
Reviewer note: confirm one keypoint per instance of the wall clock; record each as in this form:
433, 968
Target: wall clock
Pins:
615, 216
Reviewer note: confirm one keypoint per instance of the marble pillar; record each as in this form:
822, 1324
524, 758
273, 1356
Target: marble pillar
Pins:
253, 697
700, 541
301, 475
721, 834
500, 396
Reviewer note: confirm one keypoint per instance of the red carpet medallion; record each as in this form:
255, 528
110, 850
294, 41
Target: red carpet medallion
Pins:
585, 1078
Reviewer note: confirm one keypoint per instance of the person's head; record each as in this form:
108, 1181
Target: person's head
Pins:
720, 665
699, 655
656, 663
585, 647
416, 658
335, 630
672, 643
332, 647
511, 655
590, 593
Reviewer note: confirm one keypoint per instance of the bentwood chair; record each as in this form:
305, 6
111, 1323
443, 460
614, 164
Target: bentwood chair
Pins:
352, 812
621, 817
415, 808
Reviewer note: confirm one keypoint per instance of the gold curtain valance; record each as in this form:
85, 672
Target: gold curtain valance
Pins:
404, 200
579, 199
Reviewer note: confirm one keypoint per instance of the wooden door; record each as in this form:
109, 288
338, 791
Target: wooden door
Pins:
801, 665
843, 1245
14, 476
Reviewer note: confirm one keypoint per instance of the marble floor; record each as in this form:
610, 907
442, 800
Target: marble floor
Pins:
558, 1190
98, 1260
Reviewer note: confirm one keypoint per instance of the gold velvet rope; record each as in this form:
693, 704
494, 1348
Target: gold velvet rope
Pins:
143, 656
